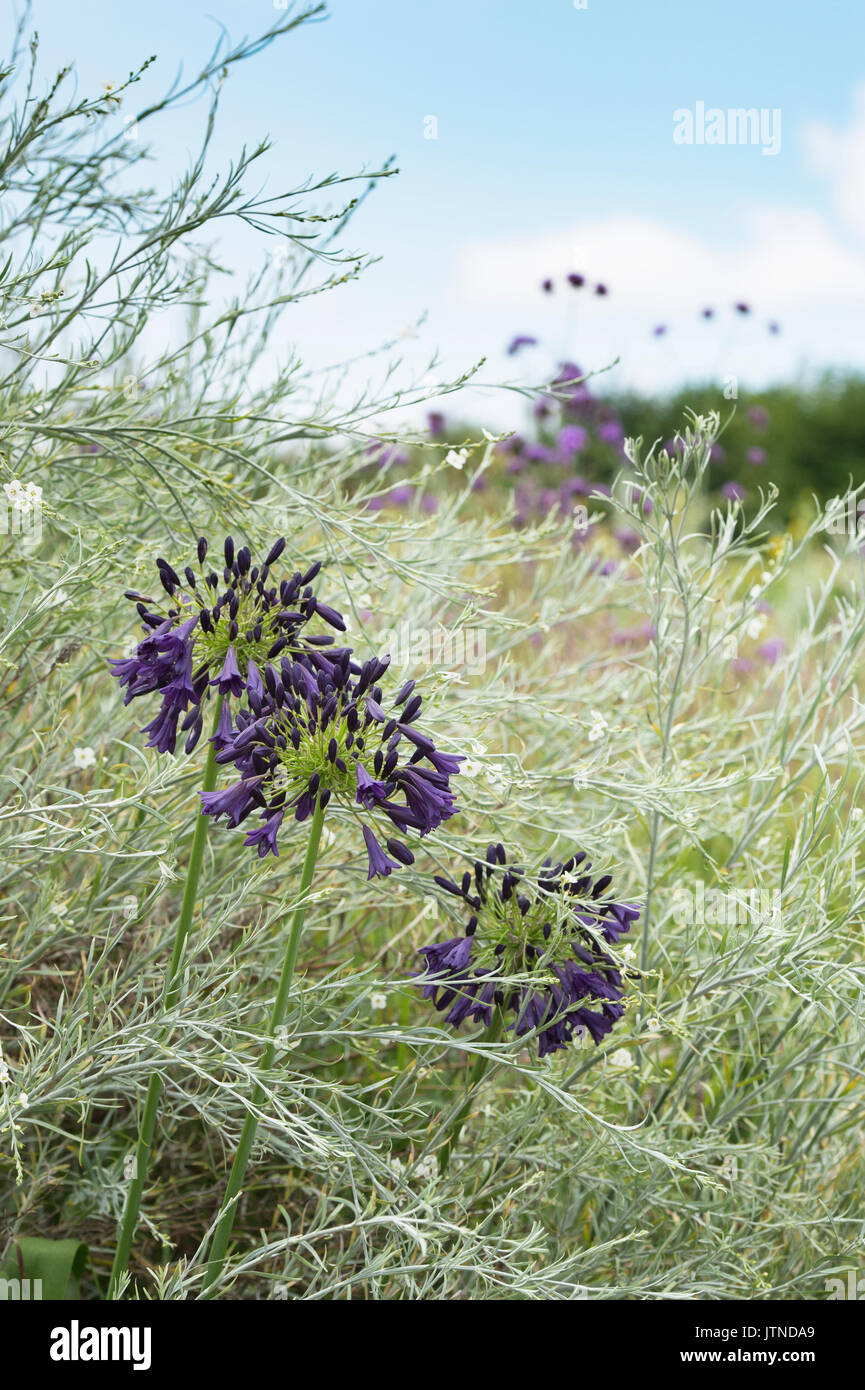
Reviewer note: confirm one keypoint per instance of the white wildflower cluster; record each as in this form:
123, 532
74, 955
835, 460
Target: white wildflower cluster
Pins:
23, 497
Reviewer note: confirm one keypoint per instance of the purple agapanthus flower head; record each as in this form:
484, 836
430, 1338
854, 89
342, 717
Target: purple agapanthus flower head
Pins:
534, 947
214, 632
316, 733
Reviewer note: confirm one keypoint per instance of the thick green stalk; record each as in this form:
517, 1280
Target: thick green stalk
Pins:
479, 1070
222, 1234
170, 993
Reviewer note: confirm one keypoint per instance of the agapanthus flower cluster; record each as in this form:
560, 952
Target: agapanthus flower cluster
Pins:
218, 628
532, 947
310, 733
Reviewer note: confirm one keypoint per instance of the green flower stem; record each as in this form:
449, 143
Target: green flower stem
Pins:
222, 1234
170, 995
479, 1070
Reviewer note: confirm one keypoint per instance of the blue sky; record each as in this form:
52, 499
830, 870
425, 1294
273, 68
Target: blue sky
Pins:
554, 152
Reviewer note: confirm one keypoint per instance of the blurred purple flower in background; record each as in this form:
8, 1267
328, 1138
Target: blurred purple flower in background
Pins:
758, 416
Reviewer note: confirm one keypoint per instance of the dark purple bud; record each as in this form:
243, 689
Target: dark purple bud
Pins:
412, 709
275, 551
164, 568
194, 736
448, 886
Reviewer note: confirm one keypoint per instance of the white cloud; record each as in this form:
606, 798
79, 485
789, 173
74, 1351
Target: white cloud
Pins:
840, 156
785, 257
789, 263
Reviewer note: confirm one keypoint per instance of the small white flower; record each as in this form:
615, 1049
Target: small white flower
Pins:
653, 1024
629, 951
5, 1075
471, 767
857, 813
598, 726
378, 1001
477, 748
83, 758
58, 908
280, 1292
129, 906
621, 1058
59, 597
755, 627
457, 457
23, 1099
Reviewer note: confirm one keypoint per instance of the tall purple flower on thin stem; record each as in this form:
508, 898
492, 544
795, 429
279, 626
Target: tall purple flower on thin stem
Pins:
311, 735
209, 639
